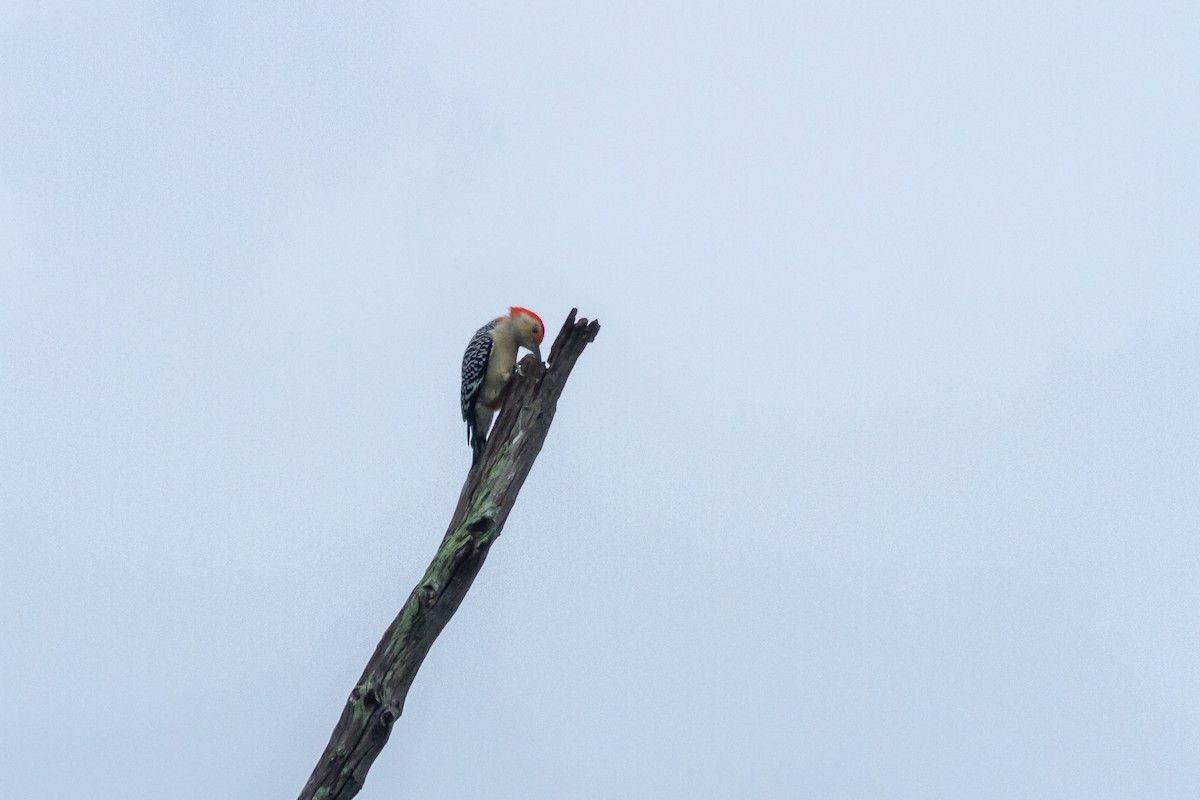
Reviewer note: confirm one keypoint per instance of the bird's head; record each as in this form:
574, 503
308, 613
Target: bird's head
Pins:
529, 329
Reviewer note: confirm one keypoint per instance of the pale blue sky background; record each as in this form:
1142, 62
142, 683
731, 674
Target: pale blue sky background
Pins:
881, 480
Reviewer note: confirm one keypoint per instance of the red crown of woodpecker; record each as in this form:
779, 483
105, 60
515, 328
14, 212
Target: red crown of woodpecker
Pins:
541, 325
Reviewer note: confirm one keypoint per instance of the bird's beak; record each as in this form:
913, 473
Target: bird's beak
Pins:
537, 351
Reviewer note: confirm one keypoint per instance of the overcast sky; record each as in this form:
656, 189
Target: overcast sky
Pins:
882, 479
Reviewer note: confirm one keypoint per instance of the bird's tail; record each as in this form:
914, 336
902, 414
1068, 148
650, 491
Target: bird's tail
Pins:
477, 439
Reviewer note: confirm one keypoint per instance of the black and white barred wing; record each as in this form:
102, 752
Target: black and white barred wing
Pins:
474, 368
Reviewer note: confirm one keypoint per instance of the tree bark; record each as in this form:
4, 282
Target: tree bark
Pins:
487, 497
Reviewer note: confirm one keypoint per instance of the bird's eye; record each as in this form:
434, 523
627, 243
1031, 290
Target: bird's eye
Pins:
535, 330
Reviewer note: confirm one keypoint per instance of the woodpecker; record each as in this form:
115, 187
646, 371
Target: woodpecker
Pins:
487, 365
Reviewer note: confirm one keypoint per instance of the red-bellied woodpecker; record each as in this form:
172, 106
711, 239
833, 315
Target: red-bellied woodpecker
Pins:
488, 364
